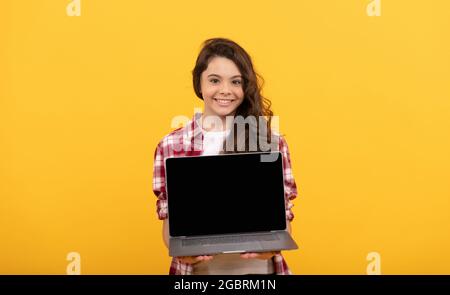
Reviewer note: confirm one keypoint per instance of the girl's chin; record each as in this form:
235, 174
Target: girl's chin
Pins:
224, 112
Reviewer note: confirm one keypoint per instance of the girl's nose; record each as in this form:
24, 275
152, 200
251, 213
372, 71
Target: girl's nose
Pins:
225, 88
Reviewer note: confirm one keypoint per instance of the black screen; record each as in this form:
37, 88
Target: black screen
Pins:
225, 194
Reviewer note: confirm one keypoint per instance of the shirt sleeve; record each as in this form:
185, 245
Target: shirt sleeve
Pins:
290, 188
159, 182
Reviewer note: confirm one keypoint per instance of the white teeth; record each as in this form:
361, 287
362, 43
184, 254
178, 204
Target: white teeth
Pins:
224, 101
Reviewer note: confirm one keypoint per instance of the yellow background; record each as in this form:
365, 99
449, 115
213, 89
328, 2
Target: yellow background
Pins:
364, 103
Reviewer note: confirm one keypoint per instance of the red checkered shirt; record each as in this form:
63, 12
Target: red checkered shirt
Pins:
188, 141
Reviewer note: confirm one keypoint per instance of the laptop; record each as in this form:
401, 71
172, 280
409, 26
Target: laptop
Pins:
230, 203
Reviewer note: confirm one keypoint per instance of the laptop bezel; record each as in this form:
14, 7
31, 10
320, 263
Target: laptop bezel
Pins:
233, 154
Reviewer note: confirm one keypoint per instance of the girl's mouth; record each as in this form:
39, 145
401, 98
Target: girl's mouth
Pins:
223, 102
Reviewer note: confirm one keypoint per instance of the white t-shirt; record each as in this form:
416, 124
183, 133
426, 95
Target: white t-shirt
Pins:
227, 264
213, 141
233, 264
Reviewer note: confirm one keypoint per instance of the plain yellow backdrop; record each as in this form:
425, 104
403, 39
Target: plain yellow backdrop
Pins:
364, 103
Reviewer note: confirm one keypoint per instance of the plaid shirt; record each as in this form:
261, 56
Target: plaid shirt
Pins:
188, 141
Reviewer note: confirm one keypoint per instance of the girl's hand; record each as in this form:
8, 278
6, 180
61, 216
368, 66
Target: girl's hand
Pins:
259, 255
194, 259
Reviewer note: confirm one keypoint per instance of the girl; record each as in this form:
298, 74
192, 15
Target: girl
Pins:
225, 80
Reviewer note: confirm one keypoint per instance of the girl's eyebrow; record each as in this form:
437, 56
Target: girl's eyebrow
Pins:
235, 76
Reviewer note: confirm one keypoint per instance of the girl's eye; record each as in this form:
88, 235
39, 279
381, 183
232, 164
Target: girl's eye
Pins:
237, 82
214, 81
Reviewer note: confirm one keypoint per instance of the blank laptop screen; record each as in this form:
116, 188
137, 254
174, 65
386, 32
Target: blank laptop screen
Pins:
221, 194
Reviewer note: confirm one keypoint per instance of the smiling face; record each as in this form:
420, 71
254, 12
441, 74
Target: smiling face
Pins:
222, 88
